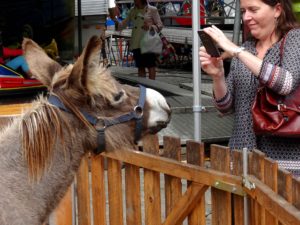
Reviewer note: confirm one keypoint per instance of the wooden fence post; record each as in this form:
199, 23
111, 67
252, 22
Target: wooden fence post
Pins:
63, 213
284, 186
83, 193
115, 197
98, 190
195, 155
296, 193
270, 177
257, 169
133, 195
238, 201
173, 186
221, 200
152, 184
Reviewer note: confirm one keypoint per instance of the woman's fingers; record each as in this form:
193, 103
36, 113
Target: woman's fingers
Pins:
217, 30
217, 35
203, 53
222, 41
225, 55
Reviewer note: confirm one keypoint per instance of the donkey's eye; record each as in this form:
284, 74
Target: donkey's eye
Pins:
119, 96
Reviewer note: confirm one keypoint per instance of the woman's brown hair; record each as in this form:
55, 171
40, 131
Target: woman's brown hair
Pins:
287, 19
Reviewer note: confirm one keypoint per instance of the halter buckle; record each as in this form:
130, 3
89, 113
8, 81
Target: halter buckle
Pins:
100, 124
101, 141
138, 110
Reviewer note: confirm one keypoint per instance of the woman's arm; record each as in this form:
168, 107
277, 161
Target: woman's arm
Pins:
152, 19
222, 90
283, 78
123, 24
158, 25
231, 50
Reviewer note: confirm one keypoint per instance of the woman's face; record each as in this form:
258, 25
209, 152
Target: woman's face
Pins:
260, 17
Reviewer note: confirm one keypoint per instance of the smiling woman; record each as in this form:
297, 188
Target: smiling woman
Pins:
255, 64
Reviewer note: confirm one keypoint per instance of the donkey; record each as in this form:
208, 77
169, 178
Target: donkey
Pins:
85, 109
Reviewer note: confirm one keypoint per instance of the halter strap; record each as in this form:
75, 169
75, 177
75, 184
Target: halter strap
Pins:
139, 121
54, 100
136, 114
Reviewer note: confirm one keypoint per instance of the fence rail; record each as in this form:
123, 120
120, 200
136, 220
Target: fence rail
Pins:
118, 193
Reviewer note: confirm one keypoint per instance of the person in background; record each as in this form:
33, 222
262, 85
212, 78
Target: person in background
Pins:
12, 57
257, 63
143, 17
8, 52
19, 62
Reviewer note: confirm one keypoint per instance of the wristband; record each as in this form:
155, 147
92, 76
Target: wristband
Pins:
237, 51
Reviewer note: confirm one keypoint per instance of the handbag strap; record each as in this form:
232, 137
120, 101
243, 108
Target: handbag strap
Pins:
282, 46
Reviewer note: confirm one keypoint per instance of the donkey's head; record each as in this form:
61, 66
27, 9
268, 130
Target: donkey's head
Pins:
87, 91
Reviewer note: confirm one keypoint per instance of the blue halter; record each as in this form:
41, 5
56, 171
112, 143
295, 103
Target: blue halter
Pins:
136, 114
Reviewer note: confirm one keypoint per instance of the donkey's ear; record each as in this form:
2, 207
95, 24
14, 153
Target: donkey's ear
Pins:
40, 64
88, 63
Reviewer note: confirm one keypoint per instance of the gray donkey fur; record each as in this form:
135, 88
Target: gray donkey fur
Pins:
40, 151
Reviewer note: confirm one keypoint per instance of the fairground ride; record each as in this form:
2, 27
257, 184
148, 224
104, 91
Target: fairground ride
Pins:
178, 13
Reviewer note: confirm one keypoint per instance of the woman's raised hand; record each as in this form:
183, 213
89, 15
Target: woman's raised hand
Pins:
211, 65
222, 41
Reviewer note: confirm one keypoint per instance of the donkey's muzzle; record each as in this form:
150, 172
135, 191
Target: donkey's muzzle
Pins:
159, 126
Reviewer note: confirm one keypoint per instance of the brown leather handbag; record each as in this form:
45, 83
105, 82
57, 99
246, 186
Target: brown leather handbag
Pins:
274, 114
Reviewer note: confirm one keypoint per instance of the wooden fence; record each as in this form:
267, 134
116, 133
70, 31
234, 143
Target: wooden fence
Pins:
148, 187
155, 186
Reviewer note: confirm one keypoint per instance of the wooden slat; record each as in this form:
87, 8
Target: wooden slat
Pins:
274, 203
173, 168
152, 197
221, 200
151, 144
115, 198
257, 169
186, 204
152, 185
270, 178
284, 186
296, 193
173, 186
133, 195
98, 190
195, 155
63, 213
83, 193
251, 201
238, 201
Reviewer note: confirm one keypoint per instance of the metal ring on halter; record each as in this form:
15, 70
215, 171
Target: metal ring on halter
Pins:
101, 126
138, 111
